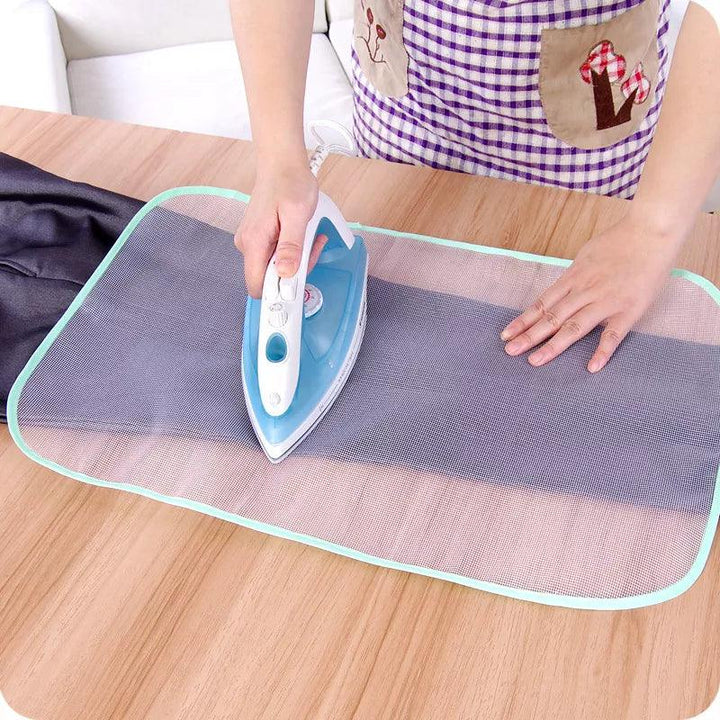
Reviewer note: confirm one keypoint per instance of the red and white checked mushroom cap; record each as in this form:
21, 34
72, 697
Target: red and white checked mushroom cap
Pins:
636, 80
603, 57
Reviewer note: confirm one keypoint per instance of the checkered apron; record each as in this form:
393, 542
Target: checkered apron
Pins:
473, 101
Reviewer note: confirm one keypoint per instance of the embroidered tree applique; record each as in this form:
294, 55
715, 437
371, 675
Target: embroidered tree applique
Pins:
602, 68
375, 35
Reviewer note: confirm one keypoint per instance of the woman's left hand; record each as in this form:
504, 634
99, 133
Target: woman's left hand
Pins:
612, 282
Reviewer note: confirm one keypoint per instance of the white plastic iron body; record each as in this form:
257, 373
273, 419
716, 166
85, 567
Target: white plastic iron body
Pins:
281, 317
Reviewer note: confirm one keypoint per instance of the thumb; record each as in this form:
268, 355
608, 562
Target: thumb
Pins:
317, 248
290, 243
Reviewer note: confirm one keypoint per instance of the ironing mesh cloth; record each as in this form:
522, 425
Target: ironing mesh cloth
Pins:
441, 456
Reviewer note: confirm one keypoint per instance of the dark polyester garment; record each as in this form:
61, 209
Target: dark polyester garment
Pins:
53, 234
155, 349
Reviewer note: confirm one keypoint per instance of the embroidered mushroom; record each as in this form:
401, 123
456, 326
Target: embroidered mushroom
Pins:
637, 85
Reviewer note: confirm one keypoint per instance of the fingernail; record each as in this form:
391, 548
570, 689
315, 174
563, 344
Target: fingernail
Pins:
514, 348
537, 358
505, 334
283, 266
594, 365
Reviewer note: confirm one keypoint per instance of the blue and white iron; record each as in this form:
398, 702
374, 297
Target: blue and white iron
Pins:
301, 341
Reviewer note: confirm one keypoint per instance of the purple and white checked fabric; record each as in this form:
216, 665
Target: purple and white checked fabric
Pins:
473, 101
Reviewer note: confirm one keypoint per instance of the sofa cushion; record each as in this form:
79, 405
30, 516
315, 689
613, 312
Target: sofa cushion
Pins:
197, 88
32, 58
94, 28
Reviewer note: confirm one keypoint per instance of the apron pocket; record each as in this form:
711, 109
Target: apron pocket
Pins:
597, 82
378, 42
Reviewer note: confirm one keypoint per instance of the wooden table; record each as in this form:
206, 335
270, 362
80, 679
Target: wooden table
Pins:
224, 622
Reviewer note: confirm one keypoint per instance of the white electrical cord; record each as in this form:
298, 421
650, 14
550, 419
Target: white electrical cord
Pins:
323, 149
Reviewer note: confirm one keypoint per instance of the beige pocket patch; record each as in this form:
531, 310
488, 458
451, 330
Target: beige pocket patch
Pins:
597, 82
379, 45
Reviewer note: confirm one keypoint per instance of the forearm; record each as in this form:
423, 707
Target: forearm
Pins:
273, 41
684, 159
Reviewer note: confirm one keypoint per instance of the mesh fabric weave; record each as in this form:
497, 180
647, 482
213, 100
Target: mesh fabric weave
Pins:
441, 453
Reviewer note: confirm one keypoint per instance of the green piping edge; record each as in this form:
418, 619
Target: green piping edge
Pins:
569, 601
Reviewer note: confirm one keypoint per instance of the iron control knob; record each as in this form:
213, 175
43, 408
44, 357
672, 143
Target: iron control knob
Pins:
278, 315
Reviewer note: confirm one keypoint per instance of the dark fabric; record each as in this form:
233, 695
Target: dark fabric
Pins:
53, 234
155, 349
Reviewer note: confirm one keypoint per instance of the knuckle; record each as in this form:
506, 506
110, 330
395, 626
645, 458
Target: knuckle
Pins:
572, 327
291, 244
297, 208
245, 237
526, 338
539, 306
285, 252
552, 319
611, 334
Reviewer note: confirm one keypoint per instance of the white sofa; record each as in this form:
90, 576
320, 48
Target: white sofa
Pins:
169, 63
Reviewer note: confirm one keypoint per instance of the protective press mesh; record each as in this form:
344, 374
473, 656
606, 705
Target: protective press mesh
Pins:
442, 452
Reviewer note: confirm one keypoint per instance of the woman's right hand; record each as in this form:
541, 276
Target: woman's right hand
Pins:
283, 201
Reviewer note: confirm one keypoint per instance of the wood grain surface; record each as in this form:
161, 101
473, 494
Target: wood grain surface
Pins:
116, 606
